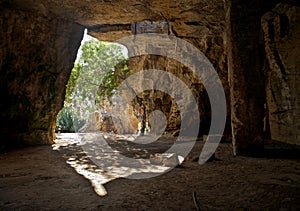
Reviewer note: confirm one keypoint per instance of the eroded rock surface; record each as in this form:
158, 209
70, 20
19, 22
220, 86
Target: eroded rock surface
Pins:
41, 38
39, 42
36, 58
281, 40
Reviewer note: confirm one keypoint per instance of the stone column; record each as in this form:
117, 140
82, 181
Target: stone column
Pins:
281, 29
36, 58
246, 79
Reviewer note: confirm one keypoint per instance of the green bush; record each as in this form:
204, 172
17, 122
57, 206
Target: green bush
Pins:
68, 122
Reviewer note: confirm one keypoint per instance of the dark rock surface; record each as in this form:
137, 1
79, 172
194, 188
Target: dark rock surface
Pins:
36, 57
281, 28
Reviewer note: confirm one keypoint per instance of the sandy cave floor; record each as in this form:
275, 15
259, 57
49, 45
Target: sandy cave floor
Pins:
40, 178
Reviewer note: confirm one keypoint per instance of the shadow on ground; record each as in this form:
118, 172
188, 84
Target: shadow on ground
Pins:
38, 178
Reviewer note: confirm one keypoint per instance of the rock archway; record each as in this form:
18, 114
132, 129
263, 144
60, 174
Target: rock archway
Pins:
39, 42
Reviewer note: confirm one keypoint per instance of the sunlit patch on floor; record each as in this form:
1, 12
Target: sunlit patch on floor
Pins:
101, 158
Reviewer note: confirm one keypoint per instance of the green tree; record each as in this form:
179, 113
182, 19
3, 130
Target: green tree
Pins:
94, 78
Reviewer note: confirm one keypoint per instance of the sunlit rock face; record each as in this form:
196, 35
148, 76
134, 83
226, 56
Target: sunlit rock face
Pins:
281, 41
158, 100
211, 44
200, 23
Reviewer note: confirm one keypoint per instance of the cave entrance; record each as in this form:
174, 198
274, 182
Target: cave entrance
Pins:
98, 70
86, 134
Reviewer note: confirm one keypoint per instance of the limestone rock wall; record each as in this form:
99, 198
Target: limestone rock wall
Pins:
39, 47
246, 79
246, 53
157, 100
39, 42
202, 23
210, 40
281, 28
36, 58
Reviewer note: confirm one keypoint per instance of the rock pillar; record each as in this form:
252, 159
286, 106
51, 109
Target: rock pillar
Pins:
36, 59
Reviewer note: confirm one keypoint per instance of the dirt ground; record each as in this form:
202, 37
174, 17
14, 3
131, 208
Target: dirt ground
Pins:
40, 178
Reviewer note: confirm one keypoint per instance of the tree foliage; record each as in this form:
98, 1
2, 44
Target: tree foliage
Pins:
94, 78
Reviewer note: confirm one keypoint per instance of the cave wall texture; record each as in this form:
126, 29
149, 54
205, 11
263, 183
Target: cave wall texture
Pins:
281, 42
246, 59
251, 44
36, 57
